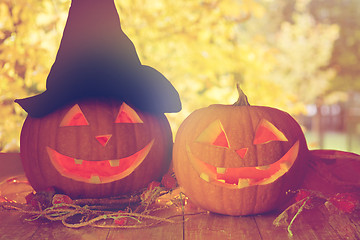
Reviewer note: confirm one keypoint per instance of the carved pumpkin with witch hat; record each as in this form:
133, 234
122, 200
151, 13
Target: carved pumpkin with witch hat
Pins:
99, 128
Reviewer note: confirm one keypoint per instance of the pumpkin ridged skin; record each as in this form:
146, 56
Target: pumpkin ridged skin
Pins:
240, 124
80, 142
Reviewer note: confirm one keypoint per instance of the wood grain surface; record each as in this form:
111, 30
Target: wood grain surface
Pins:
313, 224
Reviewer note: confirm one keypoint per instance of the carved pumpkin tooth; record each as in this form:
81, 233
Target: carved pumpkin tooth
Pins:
263, 167
78, 161
285, 166
221, 170
221, 180
95, 179
114, 163
243, 183
205, 177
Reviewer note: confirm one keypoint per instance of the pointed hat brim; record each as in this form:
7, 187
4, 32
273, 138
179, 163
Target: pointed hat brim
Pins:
155, 95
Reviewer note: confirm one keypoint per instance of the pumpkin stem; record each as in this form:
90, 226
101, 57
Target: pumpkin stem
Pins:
242, 100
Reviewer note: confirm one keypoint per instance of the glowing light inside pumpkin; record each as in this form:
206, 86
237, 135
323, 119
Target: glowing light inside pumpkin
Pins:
237, 178
74, 117
242, 152
267, 132
214, 134
99, 171
103, 139
127, 115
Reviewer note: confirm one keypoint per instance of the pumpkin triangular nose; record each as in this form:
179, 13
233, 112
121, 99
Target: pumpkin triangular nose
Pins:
103, 139
242, 152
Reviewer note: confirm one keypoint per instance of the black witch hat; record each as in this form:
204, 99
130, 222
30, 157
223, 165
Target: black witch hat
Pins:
97, 60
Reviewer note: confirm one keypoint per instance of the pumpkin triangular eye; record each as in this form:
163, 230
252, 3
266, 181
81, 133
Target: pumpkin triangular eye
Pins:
74, 117
267, 132
214, 134
127, 115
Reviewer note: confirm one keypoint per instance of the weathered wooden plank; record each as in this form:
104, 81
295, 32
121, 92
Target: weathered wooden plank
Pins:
309, 225
168, 231
268, 230
13, 226
312, 224
57, 231
346, 226
213, 226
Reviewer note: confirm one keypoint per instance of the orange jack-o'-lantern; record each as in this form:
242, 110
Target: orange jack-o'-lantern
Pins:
240, 159
95, 148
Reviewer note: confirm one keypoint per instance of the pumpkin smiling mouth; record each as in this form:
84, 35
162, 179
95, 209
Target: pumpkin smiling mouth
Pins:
97, 172
237, 178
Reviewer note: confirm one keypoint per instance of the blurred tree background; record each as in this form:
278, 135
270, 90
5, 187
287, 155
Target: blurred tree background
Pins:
285, 54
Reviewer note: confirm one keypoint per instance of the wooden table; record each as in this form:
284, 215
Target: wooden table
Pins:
311, 224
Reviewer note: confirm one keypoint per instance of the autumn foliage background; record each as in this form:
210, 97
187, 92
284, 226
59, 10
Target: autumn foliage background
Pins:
285, 54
